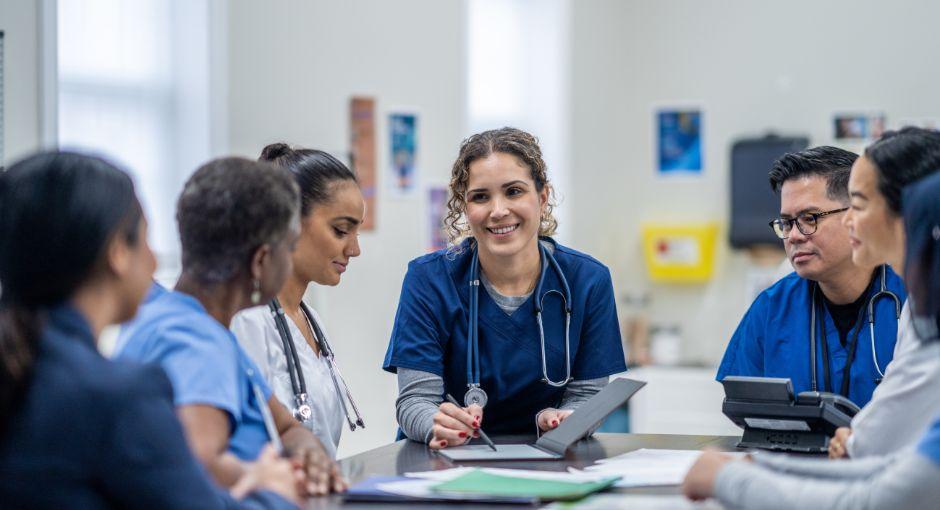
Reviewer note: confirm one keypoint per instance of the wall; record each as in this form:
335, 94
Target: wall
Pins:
293, 66
752, 66
20, 23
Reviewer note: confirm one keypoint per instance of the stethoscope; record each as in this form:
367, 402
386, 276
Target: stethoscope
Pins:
302, 410
475, 394
883, 292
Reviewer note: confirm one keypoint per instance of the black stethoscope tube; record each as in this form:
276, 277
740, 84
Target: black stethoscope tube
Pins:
883, 292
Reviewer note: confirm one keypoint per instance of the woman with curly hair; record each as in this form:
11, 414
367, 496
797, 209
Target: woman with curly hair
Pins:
538, 339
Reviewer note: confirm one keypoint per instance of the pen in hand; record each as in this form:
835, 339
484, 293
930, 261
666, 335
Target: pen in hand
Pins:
483, 435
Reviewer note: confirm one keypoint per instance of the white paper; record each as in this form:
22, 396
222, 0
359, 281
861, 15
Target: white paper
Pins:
647, 467
503, 452
441, 475
635, 502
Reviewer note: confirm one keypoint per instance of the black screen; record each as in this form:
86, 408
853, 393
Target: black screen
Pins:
753, 203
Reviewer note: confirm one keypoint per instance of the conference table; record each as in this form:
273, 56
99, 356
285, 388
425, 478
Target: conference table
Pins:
408, 456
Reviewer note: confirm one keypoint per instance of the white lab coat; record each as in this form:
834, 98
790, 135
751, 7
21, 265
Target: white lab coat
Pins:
256, 332
906, 402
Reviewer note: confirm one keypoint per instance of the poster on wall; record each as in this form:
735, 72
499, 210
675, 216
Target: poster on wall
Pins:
403, 147
866, 126
362, 152
437, 209
679, 141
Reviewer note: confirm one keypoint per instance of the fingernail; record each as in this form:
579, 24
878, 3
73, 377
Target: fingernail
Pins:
443, 443
476, 434
554, 422
462, 434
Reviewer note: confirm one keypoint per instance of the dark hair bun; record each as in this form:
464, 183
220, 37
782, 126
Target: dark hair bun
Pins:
275, 151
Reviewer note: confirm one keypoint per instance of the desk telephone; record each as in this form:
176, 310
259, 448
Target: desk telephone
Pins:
772, 418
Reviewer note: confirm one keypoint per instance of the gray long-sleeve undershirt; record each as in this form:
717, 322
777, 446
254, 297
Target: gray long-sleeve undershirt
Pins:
776, 482
421, 393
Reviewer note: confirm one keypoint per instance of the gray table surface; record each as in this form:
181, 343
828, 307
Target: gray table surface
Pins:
408, 456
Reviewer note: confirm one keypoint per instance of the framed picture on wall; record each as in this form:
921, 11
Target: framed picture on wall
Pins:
678, 134
402, 176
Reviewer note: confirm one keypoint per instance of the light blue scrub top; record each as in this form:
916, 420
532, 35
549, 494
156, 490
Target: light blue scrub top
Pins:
430, 334
203, 360
772, 339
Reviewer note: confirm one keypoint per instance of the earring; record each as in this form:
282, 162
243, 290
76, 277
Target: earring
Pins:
256, 294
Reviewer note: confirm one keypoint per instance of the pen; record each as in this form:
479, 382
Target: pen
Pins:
483, 435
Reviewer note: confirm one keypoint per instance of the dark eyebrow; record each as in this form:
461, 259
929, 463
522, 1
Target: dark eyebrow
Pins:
350, 219
801, 212
858, 194
504, 186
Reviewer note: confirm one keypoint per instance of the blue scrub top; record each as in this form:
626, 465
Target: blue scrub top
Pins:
203, 360
430, 334
772, 339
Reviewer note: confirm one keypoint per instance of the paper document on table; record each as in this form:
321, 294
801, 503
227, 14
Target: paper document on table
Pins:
443, 475
647, 467
634, 502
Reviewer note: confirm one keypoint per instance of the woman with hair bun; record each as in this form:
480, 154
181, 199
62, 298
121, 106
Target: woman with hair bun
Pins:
284, 337
489, 346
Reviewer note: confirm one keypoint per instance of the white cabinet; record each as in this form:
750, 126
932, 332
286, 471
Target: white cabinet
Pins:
678, 400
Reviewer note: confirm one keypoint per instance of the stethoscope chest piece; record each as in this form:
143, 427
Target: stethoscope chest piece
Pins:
302, 410
474, 395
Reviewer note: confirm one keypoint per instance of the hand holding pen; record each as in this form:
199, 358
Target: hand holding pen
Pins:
455, 425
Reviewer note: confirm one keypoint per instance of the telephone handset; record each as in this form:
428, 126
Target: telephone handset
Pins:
838, 401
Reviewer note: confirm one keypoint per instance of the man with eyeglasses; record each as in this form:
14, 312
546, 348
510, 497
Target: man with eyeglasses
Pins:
824, 302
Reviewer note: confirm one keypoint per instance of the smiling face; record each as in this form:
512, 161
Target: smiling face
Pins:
330, 236
876, 234
825, 252
503, 206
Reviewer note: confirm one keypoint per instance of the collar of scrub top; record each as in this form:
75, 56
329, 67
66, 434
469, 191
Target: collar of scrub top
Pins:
296, 374
475, 394
882, 293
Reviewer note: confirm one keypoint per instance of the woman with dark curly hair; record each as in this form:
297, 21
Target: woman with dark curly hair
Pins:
539, 338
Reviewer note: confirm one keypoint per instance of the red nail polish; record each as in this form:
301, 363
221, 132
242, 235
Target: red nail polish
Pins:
443, 443
554, 422
462, 434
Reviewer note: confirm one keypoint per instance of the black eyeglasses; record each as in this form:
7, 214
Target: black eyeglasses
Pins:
806, 223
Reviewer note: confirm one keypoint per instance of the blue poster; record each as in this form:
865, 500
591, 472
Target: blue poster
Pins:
403, 134
680, 142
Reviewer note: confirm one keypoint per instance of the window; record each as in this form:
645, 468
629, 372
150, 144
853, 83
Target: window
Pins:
133, 87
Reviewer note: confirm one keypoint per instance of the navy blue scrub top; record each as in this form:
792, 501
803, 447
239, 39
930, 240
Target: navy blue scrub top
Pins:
772, 339
93, 433
430, 334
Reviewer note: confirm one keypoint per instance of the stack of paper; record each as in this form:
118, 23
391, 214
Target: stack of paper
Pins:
486, 484
544, 486
646, 467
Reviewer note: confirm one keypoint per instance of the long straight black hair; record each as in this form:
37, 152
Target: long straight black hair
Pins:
58, 212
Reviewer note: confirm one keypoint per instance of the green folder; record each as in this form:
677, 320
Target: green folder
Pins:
481, 482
